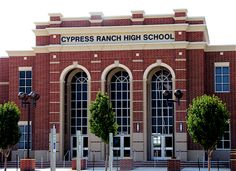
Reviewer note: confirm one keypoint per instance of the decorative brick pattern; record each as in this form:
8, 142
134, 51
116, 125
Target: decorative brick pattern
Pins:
126, 164
27, 165
173, 165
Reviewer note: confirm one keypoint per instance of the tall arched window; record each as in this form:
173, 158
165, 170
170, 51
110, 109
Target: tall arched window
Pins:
79, 119
120, 99
161, 114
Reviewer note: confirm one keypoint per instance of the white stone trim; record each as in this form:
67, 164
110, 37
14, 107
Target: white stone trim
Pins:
75, 65
222, 64
137, 19
4, 83
112, 66
181, 10
20, 53
23, 123
137, 60
100, 47
118, 29
55, 22
24, 68
41, 23
96, 62
95, 21
180, 59
55, 14
136, 70
56, 62
54, 82
54, 112
219, 48
145, 110
54, 102
41, 32
180, 18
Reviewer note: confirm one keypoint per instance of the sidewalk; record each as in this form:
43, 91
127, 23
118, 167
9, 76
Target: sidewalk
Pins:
115, 169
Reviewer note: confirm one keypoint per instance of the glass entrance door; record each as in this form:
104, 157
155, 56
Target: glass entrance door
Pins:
121, 146
161, 146
84, 146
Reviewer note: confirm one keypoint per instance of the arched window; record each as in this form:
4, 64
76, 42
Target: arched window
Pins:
161, 114
120, 98
79, 118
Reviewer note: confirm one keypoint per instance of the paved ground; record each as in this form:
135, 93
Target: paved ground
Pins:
115, 169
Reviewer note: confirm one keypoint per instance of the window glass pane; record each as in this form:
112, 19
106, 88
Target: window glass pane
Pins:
28, 74
225, 87
218, 79
226, 79
219, 87
218, 70
126, 141
85, 141
126, 153
225, 70
116, 142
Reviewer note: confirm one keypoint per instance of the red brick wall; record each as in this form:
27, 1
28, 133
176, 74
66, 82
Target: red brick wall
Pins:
228, 98
41, 115
4, 78
15, 63
42, 40
195, 36
195, 84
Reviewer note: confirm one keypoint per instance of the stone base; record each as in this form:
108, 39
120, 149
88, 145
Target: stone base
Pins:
27, 164
83, 164
173, 165
126, 164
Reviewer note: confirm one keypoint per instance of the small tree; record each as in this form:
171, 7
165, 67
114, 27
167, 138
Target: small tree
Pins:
207, 120
102, 120
9, 129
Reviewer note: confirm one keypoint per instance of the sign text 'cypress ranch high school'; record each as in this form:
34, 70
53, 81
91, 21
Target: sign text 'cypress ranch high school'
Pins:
117, 38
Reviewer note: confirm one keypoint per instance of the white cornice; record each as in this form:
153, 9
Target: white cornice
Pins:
217, 48
181, 10
40, 32
117, 29
123, 29
55, 22
197, 45
55, 15
21, 53
181, 18
99, 47
41, 23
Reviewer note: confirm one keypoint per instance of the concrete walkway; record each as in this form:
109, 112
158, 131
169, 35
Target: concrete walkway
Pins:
115, 169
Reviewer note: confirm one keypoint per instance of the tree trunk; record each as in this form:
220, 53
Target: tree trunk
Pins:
209, 153
106, 157
6, 153
5, 163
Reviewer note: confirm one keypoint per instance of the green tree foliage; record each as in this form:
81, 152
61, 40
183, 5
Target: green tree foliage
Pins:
9, 129
102, 119
207, 120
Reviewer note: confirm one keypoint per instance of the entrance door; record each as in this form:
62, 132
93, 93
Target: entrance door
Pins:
84, 145
161, 146
121, 146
